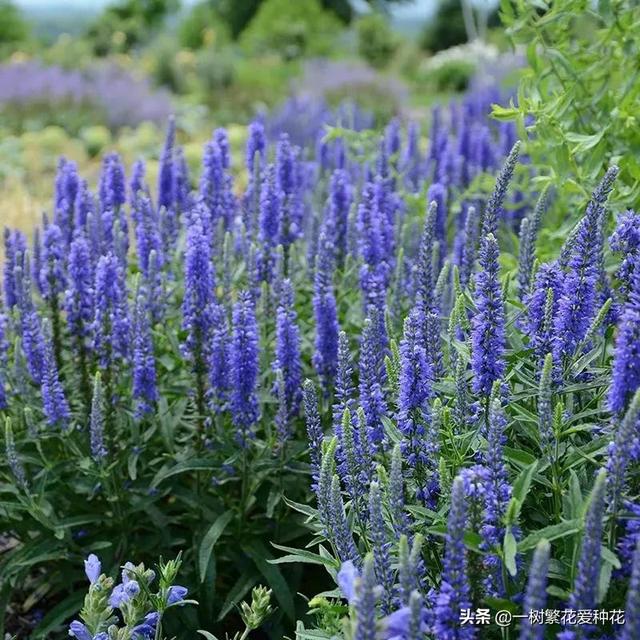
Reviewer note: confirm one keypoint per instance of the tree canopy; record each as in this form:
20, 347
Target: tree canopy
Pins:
239, 14
13, 28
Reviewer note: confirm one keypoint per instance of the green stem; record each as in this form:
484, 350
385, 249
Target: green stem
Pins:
158, 633
200, 399
557, 486
200, 372
244, 487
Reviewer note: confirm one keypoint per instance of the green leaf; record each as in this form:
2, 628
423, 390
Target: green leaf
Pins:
302, 555
209, 541
603, 580
472, 540
132, 466
182, 467
523, 482
520, 490
574, 497
207, 635
295, 558
510, 548
306, 509
58, 615
312, 634
610, 558
557, 592
552, 532
584, 142
503, 113
519, 457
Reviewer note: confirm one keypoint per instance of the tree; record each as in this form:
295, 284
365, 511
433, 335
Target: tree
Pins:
134, 19
13, 27
455, 23
291, 29
238, 13
201, 20
376, 41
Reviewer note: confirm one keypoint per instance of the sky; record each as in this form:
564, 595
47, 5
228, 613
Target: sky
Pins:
416, 8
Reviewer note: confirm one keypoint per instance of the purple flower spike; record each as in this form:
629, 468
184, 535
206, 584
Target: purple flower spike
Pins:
287, 349
455, 592
112, 189
366, 596
165, 173
371, 392
111, 325
631, 629
145, 390
244, 354
487, 325
256, 144
625, 374
536, 594
324, 306
15, 244
52, 275
78, 301
577, 304
198, 286
54, 401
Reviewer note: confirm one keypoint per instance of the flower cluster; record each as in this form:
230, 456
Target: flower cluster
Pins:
179, 359
130, 610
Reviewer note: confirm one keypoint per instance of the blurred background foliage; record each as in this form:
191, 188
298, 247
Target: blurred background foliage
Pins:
81, 77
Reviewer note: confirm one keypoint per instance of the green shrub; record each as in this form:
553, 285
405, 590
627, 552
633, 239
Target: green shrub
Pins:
238, 14
69, 52
110, 34
13, 28
376, 41
291, 30
96, 138
216, 70
578, 101
453, 75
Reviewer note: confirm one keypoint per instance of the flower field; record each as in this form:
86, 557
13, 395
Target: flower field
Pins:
350, 382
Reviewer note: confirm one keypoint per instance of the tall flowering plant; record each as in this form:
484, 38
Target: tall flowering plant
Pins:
185, 369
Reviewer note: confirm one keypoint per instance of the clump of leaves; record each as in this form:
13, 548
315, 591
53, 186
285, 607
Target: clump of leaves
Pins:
577, 101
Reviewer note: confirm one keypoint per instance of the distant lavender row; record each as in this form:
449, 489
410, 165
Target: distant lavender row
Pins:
125, 99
